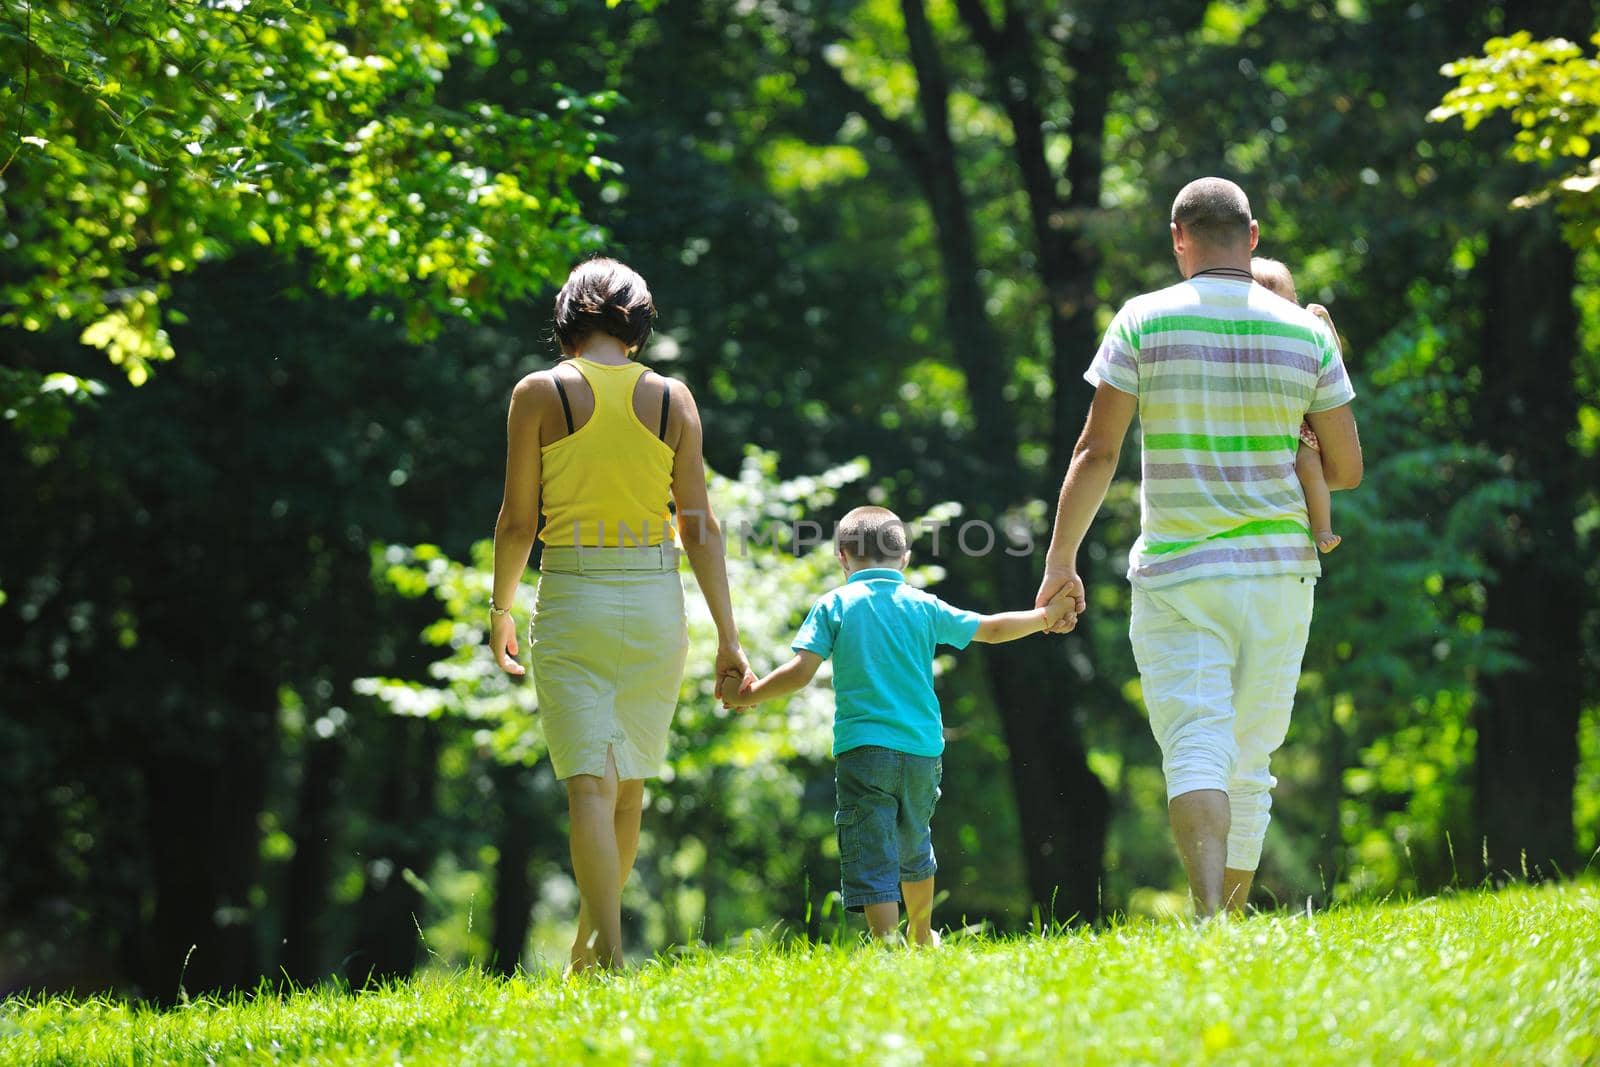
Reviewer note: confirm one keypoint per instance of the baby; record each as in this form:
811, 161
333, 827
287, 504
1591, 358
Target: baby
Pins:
1308, 459
887, 733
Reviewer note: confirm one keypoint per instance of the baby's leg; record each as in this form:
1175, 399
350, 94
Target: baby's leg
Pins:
1319, 502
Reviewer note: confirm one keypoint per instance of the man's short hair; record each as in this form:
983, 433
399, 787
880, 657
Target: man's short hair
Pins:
872, 535
1213, 211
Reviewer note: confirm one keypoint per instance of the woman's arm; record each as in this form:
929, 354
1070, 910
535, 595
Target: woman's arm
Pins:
519, 518
786, 680
701, 536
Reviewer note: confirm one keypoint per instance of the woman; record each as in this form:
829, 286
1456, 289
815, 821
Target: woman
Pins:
603, 444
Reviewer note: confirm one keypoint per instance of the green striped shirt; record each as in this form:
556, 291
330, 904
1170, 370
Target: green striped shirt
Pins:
1225, 371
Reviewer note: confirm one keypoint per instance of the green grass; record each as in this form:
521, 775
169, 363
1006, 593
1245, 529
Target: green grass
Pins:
1470, 978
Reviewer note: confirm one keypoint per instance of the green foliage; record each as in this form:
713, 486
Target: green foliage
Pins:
1475, 978
1399, 641
187, 576
141, 139
1550, 90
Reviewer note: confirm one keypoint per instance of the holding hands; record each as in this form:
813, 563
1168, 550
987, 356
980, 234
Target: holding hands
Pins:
1061, 594
734, 675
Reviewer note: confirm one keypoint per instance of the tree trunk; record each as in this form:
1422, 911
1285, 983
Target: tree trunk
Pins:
388, 932
204, 847
1527, 719
1061, 805
306, 886
513, 889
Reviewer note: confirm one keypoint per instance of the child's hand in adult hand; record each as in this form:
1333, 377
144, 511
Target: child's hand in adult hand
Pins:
733, 672
1061, 613
1061, 580
732, 687
503, 643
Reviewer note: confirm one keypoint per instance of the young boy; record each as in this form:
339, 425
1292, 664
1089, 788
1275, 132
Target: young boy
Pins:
1308, 459
887, 734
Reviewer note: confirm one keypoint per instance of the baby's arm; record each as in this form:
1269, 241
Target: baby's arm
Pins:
786, 680
1322, 313
1010, 625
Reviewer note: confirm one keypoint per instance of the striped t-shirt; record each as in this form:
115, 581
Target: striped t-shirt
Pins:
1224, 371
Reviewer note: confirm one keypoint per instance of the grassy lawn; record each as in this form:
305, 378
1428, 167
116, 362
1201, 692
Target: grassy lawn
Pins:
1509, 977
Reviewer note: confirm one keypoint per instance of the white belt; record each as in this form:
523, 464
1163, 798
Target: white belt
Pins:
582, 559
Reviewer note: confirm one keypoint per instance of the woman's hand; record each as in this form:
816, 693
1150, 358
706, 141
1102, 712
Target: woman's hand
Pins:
733, 671
503, 643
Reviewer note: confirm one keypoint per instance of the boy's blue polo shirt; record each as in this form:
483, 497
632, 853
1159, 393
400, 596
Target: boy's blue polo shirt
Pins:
881, 633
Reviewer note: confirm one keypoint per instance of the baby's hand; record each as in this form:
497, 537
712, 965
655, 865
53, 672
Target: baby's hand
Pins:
1322, 313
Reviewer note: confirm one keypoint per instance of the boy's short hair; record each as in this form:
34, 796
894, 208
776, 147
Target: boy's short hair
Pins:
872, 535
1273, 275
1214, 211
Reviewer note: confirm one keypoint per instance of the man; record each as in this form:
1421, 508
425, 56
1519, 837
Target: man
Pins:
1221, 372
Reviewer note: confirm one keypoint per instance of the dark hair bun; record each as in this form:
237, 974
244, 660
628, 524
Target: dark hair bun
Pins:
604, 296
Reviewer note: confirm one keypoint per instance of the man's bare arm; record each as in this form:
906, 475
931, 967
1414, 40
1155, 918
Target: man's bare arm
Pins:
1335, 428
1094, 464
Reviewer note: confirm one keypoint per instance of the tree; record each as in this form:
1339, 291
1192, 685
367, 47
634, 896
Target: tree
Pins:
1528, 719
144, 138
1550, 90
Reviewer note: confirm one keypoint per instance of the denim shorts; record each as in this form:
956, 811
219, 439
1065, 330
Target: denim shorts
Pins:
886, 801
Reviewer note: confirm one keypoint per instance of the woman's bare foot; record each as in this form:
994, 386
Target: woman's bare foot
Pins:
1327, 540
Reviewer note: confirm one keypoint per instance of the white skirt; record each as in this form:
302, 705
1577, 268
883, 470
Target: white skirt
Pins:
608, 648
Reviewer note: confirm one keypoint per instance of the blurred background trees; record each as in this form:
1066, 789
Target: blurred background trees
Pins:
250, 729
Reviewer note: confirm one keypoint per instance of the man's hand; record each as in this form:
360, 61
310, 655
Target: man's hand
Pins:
1061, 581
1061, 613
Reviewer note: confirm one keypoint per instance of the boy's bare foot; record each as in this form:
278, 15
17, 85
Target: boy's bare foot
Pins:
932, 940
1327, 541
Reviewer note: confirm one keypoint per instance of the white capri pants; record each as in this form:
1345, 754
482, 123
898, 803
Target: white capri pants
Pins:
1219, 661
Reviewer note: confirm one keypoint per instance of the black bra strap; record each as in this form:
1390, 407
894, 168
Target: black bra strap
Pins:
666, 405
566, 408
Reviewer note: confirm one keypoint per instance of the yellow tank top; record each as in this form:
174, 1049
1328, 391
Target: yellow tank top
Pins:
608, 483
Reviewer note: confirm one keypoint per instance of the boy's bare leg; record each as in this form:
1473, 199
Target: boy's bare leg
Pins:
630, 807
1319, 502
919, 912
1236, 889
592, 807
1200, 821
884, 920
